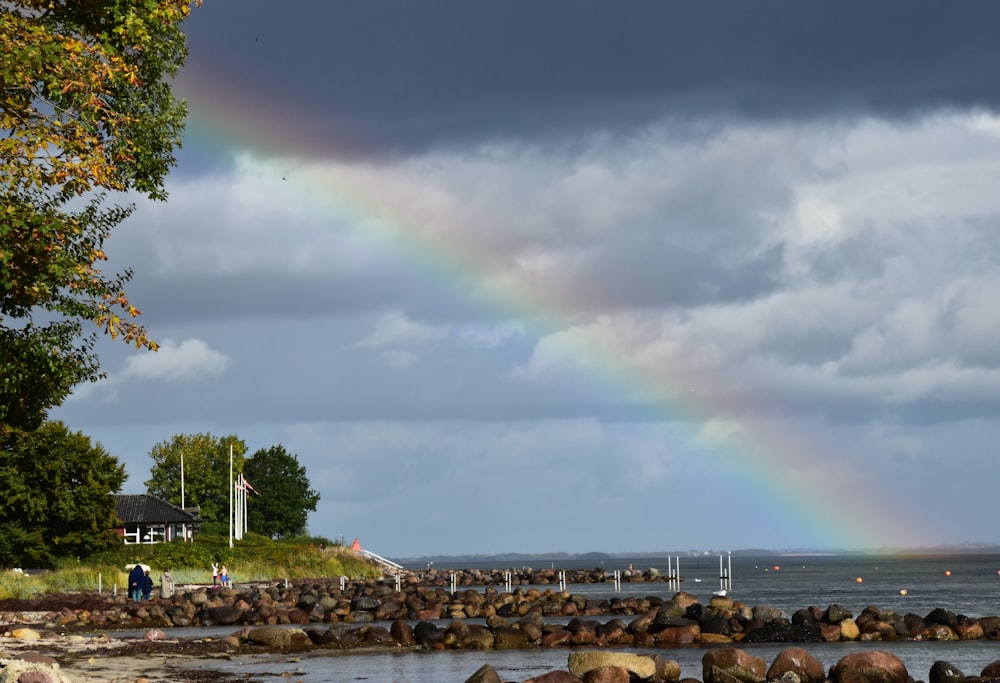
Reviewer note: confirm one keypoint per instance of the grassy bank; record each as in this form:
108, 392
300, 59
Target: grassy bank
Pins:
254, 558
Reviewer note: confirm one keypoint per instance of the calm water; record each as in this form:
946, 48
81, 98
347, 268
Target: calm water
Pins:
967, 584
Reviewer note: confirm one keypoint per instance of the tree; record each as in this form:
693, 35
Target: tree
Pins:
284, 499
57, 498
86, 109
206, 472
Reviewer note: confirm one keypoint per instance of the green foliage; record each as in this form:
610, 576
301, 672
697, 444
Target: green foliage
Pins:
206, 474
254, 558
285, 499
56, 500
86, 109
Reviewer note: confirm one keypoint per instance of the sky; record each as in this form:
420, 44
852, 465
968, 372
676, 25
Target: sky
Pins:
581, 276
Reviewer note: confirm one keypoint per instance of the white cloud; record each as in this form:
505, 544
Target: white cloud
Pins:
191, 360
395, 328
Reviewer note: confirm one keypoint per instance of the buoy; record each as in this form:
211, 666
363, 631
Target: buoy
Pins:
777, 568
859, 580
902, 591
947, 572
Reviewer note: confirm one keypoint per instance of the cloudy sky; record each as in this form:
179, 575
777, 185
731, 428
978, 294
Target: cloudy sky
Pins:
583, 276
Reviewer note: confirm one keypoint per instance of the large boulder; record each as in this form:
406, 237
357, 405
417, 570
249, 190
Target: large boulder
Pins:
806, 668
640, 666
273, 636
869, 666
732, 664
402, 633
944, 672
942, 616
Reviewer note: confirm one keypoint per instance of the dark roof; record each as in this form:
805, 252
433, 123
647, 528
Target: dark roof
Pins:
142, 508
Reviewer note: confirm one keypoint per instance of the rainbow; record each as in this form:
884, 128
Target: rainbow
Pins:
761, 460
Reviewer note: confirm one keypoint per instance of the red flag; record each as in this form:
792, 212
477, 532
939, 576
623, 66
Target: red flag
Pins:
246, 484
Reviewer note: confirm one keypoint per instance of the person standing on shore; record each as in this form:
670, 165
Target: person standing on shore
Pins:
215, 574
135, 582
147, 585
224, 576
166, 583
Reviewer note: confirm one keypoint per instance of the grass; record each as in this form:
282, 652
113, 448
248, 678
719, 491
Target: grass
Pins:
255, 558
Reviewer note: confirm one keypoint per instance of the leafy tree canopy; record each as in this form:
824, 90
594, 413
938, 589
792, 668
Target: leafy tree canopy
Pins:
86, 109
57, 498
285, 499
206, 472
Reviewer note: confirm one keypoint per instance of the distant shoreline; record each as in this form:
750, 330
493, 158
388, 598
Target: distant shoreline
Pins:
502, 559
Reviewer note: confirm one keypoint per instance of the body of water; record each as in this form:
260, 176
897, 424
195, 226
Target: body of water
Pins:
965, 584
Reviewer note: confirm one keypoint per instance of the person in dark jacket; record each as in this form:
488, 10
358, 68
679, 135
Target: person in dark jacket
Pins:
147, 585
136, 580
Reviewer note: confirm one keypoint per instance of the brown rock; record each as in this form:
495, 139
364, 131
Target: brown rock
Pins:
679, 635
643, 622
559, 636
606, 674
554, 677
829, 632
869, 666
37, 676
379, 636
685, 600
402, 633
485, 674
969, 629
939, 632
730, 663
991, 670
667, 670
796, 660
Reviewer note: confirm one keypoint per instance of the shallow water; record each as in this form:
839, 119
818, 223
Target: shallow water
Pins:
519, 665
966, 584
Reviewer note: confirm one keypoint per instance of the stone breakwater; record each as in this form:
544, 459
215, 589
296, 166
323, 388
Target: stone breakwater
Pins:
521, 617
425, 613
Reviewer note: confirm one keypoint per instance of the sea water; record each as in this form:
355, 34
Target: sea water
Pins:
967, 584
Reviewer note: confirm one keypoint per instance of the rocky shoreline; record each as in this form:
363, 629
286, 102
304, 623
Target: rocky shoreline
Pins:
303, 616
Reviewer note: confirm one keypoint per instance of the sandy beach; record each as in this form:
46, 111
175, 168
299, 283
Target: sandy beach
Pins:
103, 659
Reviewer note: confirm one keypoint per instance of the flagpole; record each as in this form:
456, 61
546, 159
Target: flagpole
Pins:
246, 524
183, 526
230, 495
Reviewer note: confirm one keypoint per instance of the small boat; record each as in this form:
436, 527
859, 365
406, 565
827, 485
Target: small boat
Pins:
697, 580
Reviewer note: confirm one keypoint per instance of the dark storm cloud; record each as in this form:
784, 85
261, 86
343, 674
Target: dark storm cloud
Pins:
393, 74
